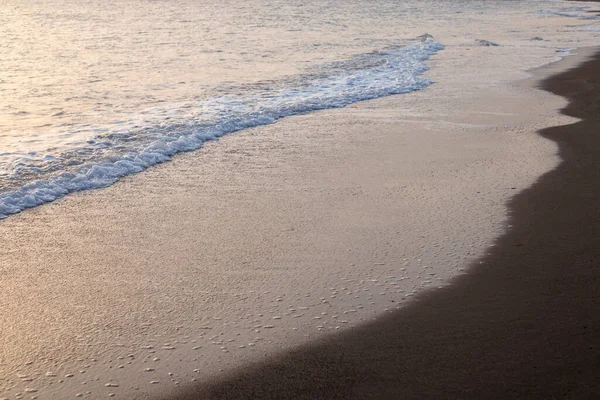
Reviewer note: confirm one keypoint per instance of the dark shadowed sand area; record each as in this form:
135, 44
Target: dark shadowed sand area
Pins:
524, 323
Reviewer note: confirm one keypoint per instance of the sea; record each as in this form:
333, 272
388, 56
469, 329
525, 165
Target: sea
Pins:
92, 91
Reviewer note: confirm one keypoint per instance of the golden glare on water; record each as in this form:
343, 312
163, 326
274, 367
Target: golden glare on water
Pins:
71, 70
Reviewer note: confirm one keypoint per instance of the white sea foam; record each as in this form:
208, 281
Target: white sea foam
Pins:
593, 28
107, 157
573, 12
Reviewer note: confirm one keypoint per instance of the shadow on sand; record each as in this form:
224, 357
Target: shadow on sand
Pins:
524, 323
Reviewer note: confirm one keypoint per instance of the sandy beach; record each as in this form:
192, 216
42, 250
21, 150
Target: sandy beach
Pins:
349, 253
440, 243
523, 323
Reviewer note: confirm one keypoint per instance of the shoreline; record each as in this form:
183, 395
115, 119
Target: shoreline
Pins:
523, 323
269, 239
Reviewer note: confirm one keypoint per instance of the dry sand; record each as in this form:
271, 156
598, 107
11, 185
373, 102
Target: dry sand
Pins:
286, 234
524, 322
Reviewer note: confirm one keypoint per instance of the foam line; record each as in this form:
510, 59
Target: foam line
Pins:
122, 153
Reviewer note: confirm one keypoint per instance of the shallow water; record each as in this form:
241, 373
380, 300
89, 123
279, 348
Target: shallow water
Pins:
92, 91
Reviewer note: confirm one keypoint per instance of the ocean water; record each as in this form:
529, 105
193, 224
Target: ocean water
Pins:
91, 91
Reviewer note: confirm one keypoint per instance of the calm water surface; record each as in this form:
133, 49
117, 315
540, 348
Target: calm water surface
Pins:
94, 90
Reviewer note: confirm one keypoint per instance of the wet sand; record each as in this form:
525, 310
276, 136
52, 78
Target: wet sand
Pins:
281, 237
523, 323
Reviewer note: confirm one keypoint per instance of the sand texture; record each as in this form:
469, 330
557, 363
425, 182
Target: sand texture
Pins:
291, 245
523, 323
